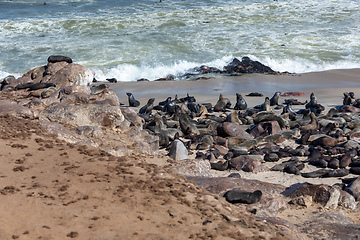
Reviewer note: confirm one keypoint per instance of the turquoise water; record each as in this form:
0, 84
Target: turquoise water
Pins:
129, 40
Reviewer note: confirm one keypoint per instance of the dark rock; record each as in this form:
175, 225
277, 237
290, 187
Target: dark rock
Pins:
228, 129
246, 65
266, 128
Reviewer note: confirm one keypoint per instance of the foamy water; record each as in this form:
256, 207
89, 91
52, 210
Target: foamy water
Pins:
129, 40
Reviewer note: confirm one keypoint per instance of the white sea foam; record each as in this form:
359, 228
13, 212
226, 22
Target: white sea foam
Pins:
145, 39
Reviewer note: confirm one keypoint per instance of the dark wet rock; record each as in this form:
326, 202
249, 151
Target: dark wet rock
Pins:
246, 65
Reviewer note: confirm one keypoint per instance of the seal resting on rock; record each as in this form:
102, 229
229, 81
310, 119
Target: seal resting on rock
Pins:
98, 89
233, 196
59, 58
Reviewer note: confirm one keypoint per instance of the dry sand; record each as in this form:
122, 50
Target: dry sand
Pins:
53, 190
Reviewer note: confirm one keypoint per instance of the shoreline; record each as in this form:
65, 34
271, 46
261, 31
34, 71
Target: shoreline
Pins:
328, 86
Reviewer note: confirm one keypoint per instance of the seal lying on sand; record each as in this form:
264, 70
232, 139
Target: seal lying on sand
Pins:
233, 196
132, 101
148, 107
240, 102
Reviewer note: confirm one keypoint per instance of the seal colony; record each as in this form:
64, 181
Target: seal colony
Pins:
230, 137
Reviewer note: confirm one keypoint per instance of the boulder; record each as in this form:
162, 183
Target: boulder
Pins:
178, 151
59, 73
101, 114
228, 129
266, 128
246, 65
193, 168
66, 135
11, 108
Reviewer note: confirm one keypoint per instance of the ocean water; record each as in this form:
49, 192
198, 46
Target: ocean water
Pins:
132, 39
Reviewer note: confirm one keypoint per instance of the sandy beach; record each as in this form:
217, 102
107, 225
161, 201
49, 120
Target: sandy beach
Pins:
328, 86
50, 189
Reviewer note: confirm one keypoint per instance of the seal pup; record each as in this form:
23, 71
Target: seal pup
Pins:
98, 89
222, 104
132, 101
240, 102
234, 196
275, 99
148, 107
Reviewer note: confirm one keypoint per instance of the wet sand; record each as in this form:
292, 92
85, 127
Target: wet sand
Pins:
328, 86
